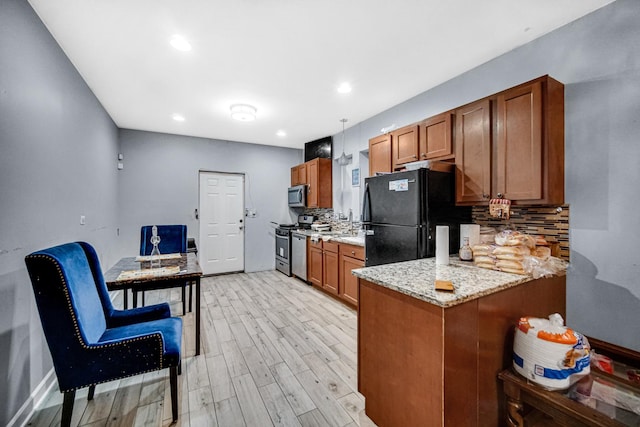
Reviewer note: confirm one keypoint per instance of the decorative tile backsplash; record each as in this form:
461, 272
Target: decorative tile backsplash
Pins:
552, 222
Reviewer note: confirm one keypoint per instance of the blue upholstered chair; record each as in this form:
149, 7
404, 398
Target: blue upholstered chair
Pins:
173, 239
90, 341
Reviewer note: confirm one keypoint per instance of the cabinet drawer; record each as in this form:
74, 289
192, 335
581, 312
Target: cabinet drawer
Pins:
313, 244
352, 251
330, 246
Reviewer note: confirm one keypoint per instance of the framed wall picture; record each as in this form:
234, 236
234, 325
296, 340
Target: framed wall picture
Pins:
355, 177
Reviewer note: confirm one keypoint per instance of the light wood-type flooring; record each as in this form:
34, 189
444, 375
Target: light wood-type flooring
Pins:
275, 352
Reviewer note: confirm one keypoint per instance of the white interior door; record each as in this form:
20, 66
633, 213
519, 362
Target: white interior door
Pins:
221, 244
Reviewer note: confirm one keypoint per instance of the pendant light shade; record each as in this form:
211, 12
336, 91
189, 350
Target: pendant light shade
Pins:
344, 159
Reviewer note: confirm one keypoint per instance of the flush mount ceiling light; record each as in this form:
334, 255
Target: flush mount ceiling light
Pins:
178, 118
180, 43
344, 88
243, 112
281, 133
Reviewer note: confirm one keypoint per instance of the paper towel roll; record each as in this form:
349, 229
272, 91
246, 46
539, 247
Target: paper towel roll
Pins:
442, 245
472, 231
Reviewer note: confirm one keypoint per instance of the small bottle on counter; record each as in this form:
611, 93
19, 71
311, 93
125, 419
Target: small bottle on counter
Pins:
465, 253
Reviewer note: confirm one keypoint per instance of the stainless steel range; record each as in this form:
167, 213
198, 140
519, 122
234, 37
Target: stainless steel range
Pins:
283, 248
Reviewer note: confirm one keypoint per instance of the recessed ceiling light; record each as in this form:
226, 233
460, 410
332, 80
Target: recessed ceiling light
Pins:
243, 112
344, 88
178, 118
281, 133
180, 43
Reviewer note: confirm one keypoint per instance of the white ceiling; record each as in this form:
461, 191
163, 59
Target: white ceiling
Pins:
285, 57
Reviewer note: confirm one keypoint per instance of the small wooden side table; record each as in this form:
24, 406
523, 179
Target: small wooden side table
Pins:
528, 402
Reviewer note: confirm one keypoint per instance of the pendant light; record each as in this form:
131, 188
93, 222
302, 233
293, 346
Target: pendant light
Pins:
344, 160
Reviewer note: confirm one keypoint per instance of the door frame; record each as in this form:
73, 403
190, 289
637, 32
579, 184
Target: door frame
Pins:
244, 222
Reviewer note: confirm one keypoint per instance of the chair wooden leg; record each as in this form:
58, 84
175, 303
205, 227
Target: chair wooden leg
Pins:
67, 408
92, 390
134, 293
173, 380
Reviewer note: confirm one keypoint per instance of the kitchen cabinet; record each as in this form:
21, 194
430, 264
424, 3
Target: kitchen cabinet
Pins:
511, 145
299, 174
351, 257
329, 266
380, 154
435, 139
319, 183
323, 265
473, 153
421, 364
314, 262
404, 145
330, 277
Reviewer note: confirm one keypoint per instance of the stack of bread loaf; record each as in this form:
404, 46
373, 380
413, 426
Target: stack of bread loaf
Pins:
509, 250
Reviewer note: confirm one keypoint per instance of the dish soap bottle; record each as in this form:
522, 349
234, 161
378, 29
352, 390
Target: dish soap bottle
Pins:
465, 253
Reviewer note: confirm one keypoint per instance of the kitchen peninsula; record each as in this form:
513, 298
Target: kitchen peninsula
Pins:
431, 358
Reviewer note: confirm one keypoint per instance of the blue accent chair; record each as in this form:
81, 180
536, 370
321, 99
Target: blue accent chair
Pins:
173, 239
90, 341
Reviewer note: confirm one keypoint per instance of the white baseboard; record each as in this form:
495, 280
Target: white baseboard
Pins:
41, 391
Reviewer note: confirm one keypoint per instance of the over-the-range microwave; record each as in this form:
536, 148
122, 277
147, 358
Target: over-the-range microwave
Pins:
297, 196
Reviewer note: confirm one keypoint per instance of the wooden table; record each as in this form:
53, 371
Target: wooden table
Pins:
528, 402
189, 271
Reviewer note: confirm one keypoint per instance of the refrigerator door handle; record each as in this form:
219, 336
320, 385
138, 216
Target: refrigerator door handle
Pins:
366, 205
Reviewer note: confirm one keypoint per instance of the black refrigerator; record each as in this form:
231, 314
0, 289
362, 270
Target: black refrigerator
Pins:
400, 213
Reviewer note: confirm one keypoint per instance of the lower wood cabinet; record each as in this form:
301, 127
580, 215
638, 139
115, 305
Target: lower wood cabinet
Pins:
330, 277
351, 257
314, 262
329, 266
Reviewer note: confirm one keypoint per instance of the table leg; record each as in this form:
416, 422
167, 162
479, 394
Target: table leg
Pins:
514, 417
197, 316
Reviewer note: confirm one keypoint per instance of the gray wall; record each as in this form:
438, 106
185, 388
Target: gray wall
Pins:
58, 149
159, 185
598, 60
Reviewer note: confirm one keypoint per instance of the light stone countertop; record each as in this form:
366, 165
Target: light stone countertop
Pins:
417, 279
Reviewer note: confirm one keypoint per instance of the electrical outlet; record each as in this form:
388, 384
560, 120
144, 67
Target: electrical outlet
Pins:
82, 220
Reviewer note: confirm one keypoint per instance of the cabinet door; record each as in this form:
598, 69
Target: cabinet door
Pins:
435, 137
314, 267
312, 184
473, 153
404, 142
349, 282
302, 173
519, 143
380, 154
294, 176
330, 278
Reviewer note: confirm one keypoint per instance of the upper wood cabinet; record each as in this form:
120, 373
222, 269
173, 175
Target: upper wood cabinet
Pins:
530, 142
380, 154
435, 139
319, 183
404, 145
511, 145
473, 153
299, 174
